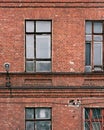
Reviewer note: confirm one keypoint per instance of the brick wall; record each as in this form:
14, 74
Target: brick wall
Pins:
68, 60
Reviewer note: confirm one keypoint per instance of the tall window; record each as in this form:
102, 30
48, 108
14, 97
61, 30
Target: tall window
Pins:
94, 119
38, 118
94, 46
38, 46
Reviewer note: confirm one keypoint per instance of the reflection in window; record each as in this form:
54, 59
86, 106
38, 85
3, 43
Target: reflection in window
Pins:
43, 113
38, 46
94, 119
38, 118
96, 113
29, 125
43, 125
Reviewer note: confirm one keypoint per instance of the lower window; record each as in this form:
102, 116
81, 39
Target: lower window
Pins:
38, 118
94, 119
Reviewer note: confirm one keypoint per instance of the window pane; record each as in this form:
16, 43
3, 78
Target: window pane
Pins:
42, 113
87, 126
88, 27
88, 53
87, 112
29, 26
98, 38
96, 126
29, 46
29, 125
43, 26
88, 68
97, 53
96, 113
42, 125
88, 37
29, 113
43, 46
30, 66
98, 27
43, 66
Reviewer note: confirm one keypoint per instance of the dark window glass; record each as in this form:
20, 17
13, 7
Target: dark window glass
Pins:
88, 53
30, 66
87, 112
96, 113
87, 126
30, 125
29, 113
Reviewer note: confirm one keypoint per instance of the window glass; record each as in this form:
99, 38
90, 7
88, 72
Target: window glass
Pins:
42, 125
88, 37
98, 28
29, 46
88, 27
98, 38
96, 113
96, 126
87, 126
88, 53
43, 46
30, 66
43, 26
30, 125
87, 112
30, 113
42, 113
97, 53
29, 26
43, 66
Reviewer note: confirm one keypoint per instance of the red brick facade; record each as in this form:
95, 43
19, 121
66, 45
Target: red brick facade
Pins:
68, 79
